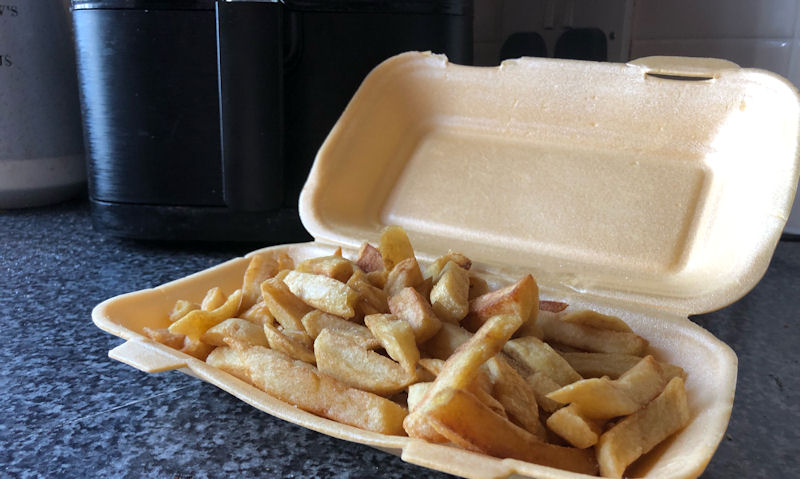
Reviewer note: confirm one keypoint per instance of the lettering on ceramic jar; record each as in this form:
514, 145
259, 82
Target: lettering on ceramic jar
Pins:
5, 61
7, 10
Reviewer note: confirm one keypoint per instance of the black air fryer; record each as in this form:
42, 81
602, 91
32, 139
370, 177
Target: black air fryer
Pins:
202, 117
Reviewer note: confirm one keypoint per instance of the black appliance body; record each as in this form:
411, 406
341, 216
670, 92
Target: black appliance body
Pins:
202, 117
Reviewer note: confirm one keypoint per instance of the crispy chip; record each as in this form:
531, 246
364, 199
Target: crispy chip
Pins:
425, 287
450, 295
181, 309
288, 346
410, 306
577, 430
315, 321
518, 298
597, 320
283, 305
194, 324
488, 433
239, 329
262, 266
405, 273
416, 392
323, 293
603, 398
375, 298
446, 341
435, 269
213, 299
228, 360
461, 368
613, 365
196, 348
302, 385
537, 355
589, 338
342, 358
481, 386
369, 259
258, 314
163, 336
397, 339
516, 396
543, 385
642, 431
378, 278
552, 306
334, 267
477, 286
395, 247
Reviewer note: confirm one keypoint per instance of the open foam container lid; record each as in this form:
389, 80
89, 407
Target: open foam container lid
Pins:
665, 182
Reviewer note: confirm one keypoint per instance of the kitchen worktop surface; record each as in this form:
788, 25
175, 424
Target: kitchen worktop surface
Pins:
67, 410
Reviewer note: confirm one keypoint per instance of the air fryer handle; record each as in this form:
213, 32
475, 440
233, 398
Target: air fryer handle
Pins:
250, 75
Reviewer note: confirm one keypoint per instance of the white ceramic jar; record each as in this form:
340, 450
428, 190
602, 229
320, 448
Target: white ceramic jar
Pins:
41, 141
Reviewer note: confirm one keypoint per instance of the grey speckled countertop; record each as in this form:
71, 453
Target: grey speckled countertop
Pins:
67, 410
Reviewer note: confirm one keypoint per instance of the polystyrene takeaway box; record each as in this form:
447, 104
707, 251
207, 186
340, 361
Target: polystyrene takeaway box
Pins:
651, 191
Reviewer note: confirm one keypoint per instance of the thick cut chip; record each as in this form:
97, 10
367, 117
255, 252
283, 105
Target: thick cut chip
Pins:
589, 338
334, 267
477, 286
446, 341
425, 287
603, 398
378, 278
181, 309
577, 430
642, 431
375, 298
163, 336
461, 368
536, 355
258, 314
552, 306
213, 299
342, 358
516, 396
194, 324
410, 306
435, 269
395, 246
397, 339
285, 307
262, 266
323, 293
228, 360
302, 385
196, 348
301, 337
416, 392
481, 386
543, 385
450, 295
518, 298
315, 321
404, 274
369, 258
531, 327
288, 346
597, 320
465, 421
614, 365
238, 329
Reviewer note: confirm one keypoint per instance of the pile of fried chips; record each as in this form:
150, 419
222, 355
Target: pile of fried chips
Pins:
378, 343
